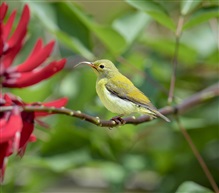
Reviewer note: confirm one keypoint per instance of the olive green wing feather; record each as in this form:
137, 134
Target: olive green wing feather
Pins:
123, 88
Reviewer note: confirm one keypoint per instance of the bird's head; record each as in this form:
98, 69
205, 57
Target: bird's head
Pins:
103, 68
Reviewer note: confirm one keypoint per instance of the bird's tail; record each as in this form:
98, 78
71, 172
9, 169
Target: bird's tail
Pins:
155, 113
152, 111
158, 114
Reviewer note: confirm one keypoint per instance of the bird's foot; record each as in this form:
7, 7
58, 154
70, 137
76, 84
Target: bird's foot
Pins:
118, 120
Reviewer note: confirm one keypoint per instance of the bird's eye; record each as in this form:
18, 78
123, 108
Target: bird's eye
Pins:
101, 66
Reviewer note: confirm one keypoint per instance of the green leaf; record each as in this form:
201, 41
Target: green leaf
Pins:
188, 5
110, 37
113, 172
191, 187
155, 10
46, 15
74, 44
63, 162
60, 162
203, 42
130, 25
202, 15
166, 47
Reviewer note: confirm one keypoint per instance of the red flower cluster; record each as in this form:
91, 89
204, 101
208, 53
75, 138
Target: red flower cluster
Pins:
29, 72
16, 125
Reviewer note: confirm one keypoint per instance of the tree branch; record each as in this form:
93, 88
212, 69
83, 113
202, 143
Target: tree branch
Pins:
186, 105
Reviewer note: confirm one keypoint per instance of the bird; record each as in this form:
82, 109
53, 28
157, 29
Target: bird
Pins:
118, 94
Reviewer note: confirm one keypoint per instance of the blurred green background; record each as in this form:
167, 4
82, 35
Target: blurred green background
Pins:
139, 37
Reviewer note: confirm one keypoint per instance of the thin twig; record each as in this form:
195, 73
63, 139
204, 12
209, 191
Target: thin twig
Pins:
192, 101
187, 104
175, 57
198, 156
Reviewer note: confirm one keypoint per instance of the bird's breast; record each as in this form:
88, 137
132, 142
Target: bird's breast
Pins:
111, 101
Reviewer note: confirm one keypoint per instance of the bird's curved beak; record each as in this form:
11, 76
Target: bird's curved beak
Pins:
85, 62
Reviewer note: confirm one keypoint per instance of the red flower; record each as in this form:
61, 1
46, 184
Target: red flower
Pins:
16, 126
30, 71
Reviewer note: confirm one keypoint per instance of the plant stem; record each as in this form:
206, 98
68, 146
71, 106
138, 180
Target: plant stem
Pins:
198, 156
175, 57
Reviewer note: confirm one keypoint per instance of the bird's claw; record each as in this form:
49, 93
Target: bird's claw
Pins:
118, 120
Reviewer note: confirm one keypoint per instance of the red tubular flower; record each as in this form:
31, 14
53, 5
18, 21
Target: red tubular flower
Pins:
16, 126
30, 71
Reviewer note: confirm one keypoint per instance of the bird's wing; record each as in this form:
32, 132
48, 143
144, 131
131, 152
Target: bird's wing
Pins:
127, 91
123, 88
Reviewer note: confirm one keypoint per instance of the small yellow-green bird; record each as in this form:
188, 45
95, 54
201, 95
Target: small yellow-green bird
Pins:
118, 93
